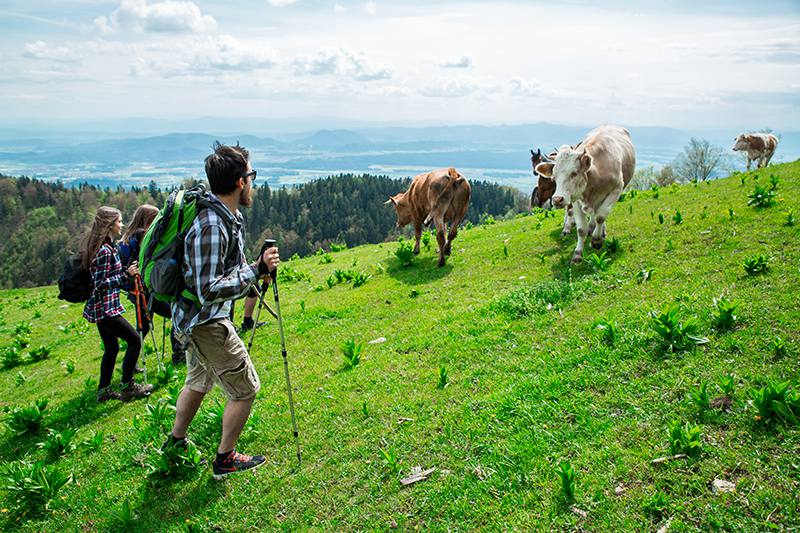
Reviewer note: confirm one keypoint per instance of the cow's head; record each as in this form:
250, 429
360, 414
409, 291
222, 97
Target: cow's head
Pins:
568, 171
403, 208
741, 142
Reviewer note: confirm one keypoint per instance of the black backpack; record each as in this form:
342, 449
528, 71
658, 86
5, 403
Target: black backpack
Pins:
75, 283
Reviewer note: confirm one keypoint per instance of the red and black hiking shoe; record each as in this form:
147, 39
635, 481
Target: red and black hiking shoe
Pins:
236, 462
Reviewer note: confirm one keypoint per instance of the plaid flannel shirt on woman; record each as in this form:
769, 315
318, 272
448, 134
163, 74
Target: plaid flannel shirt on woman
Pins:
205, 273
107, 279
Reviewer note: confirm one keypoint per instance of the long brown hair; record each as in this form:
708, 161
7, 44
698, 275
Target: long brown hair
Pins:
142, 218
99, 233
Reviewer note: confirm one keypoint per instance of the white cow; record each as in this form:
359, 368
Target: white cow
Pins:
592, 177
760, 147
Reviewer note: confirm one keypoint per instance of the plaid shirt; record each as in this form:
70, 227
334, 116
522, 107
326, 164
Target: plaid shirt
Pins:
107, 278
204, 271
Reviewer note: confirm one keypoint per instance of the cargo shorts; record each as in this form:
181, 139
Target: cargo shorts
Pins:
217, 354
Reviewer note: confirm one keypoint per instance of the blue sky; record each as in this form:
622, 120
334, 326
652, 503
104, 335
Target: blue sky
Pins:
682, 64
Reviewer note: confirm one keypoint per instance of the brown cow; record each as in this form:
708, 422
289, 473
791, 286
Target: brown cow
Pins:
760, 147
546, 187
441, 196
592, 178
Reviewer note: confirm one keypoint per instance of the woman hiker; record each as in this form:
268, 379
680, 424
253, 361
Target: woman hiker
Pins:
104, 309
129, 247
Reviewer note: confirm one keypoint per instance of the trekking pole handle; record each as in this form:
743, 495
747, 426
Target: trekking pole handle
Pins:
268, 243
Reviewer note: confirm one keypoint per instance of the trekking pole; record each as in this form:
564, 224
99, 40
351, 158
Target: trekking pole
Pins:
261, 304
163, 334
149, 317
138, 300
274, 275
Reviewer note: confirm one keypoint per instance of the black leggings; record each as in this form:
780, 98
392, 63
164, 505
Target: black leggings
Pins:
111, 329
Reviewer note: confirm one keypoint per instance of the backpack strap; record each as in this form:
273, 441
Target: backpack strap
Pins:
231, 254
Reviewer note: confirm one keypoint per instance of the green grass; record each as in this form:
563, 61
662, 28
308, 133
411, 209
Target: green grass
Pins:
531, 385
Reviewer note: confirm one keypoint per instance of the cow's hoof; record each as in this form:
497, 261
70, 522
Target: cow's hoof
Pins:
447, 251
416, 251
576, 259
597, 243
441, 262
565, 233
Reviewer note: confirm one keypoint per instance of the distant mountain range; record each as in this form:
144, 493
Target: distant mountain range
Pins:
499, 153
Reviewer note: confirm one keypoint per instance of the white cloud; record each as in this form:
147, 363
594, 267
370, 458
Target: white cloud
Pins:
169, 16
281, 3
450, 88
521, 87
371, 7
461, 62
342, 63
339, 8
43, 51
203, 56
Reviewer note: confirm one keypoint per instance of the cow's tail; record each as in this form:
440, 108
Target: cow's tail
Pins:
454, 181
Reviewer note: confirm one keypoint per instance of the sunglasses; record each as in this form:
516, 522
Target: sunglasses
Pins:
252, 174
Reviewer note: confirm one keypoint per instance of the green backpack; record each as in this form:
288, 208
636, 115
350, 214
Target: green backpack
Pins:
162, 248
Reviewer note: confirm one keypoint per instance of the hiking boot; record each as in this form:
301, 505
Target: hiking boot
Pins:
103, 395
236, 462
247, 324
135, 390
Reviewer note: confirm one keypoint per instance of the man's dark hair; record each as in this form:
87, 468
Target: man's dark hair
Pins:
225, 166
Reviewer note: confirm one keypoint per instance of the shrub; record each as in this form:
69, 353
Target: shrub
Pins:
40, 354
337, 247
443, 378
325, 259
644, 275
685, 439
123, 518
773, 182
776, 403
174, 460
761, 197
657, 506
677, 218
676, 334
612, 245
68, 365
426, 239
599, 262
93, 441
727, 384
566, 474
288, 274
725, 317
22, 328
700, 399
757, 264
608, 330
32, 486
405, 252
330, 281
390, 461
790, 220
20, 379
58, 443
352, 353
22, 341
778, 347
29, 419
660, 218
360, 278
11, 357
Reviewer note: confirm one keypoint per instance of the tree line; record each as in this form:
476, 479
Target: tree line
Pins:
41, 222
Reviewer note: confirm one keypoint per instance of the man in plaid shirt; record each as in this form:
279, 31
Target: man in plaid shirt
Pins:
218, 274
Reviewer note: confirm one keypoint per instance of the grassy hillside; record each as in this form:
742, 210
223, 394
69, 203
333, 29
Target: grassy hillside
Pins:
531, 384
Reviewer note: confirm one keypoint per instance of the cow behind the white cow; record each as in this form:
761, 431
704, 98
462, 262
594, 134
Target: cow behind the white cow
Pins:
592, 177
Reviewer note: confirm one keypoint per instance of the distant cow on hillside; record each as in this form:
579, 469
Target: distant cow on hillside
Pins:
760, 147
592, 177
439, 196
